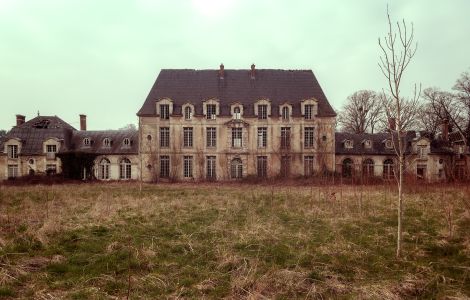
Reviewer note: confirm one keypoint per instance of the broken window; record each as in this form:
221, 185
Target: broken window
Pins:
309, 165
164, 166
211, 111
12, 171
388, 171
262, 166
236, 168
285, 138
262, 137
211, 167
12, 151
285, 166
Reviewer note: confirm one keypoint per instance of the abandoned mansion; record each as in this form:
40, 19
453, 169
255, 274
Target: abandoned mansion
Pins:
226, 125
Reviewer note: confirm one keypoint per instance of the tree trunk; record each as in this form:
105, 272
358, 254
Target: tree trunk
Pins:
400, 206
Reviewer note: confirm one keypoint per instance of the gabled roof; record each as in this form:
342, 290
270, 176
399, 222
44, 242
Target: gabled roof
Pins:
96, 138
279, 86
37, 130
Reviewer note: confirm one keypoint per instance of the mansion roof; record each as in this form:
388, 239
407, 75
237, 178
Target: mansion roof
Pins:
196, 86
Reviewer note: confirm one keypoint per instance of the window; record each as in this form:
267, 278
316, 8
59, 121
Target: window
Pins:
126, 143
237, 137
368, 168
285, 113
421, 152
211, 137
309, 111
211, 167
188, 112
388, 172
211, 111
348, 144
347, 168
103, 169
164, 111
262, 111
236, 168
164, 166
106, 143
51, 170
125, 169
309, 140
12, 151
421, 172
187, 137
262, 137
285, 137
308, 165
51, 148
285, 166
188, 166
86, 142
388, 144
164, 137
262, 166
367, 144
236, 113
12, 171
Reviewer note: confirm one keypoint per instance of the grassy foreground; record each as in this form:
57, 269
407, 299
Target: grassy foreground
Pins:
108, 241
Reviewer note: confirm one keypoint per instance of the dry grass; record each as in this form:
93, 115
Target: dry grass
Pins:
103, 241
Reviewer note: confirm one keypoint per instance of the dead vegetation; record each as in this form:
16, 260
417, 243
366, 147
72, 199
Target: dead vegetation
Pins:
231, 241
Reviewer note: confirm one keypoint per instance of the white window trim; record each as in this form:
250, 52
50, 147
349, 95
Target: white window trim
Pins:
164, 101
266, 102
208, 102
313, 102
183, 110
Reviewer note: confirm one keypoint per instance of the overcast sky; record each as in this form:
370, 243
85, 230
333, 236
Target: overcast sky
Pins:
101, 58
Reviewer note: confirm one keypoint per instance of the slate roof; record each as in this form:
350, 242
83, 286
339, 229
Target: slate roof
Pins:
34, 132
438, 146
96, 142
195, 86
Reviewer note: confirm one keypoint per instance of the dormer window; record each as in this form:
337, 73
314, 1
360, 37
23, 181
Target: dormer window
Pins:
188, 112
86, 142
309, 109
388, 144
262, 111
126, 143
285, 113
211, 111
51, 148
367, 144
12, 151
348, 144
107, 143
237, 113
164, 111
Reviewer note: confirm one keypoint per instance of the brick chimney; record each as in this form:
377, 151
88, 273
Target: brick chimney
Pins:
392, 124
221, 72
20, 119
445, 129
82, 122
253, 71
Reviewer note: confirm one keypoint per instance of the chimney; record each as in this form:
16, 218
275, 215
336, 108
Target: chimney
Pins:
392, 124
20, 119
445, 129
253, 71
82, 122
221, 71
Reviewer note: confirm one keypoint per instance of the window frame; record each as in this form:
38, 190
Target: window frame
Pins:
12, 151
309, 137
262, 166
164, 166
211, 167
285, 138
309, 165
164, 137
125, 169
188, 166
262, 137
164, 113
211, 137
187, 137
237, 134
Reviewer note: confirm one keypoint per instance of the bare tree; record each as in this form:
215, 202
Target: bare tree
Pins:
361, 112
398, 49
462, 87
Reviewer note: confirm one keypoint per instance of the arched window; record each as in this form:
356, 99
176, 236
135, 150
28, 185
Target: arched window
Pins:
86, 142
125, 169
285, 113
388, 172
126, 143
236, 113
368, 168
236, 168
188, 113
347, 167
103, 169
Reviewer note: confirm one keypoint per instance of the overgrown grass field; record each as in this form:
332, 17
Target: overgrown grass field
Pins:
111, 241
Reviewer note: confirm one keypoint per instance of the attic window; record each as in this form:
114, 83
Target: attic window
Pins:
188, 113
126, 142
86, 142
348, 144
43, 124
388, 144
367, 144
236, 113
107, 142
